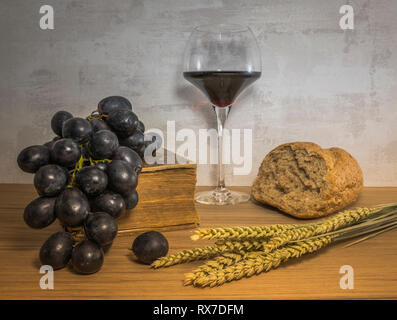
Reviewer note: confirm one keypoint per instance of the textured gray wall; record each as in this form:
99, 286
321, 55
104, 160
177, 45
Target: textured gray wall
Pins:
319, 83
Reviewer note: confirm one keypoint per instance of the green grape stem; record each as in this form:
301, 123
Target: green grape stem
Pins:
96, 115
79, 165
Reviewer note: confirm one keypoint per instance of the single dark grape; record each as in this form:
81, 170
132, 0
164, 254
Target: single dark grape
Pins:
57, 250
131, 200
78, 129
40, 212
108, 104
33, 158
103, 144
66, 153
109, 202
102, 166
123, 122
87, 257
122, 178
150, 246
135, 141
49, 144
130, 156
92, 181
101, 228
72, 207
58, 120
141, 126
50, 180
98, 125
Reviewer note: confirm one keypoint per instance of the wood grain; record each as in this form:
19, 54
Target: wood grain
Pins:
316, 276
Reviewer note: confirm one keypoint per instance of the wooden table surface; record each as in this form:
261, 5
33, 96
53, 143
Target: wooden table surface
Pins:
316, 276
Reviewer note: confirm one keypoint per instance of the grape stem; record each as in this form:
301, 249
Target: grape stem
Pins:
96, 115
80, 164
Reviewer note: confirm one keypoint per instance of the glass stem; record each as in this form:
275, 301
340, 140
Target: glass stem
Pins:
221, 116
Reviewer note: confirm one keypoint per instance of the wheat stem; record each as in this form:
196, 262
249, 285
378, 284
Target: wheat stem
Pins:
371, 235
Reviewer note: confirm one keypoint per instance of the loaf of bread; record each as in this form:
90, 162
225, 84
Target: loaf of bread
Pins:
306, 181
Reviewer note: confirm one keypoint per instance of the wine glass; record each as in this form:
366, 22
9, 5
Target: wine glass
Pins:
222, 60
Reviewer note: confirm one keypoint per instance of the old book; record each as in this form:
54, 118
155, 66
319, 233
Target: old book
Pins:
166, 200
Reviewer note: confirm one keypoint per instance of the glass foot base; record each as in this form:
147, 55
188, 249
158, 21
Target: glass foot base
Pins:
221, 197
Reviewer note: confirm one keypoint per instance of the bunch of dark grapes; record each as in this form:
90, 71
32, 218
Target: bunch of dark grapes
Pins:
86, 177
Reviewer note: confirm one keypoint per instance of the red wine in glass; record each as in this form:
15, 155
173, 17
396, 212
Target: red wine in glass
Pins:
222, 60
221, 87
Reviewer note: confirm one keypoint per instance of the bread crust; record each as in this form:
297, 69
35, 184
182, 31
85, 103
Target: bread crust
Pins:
343, 181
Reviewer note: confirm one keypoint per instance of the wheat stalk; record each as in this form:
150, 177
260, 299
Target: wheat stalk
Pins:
255, 265
282, 235
251, 232
239, 253
206, 252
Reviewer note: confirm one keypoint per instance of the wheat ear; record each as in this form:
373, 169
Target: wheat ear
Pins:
207, 252
220, 262
238, 233
343, 219
251, 232
267, 245
186, 256
255, 265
